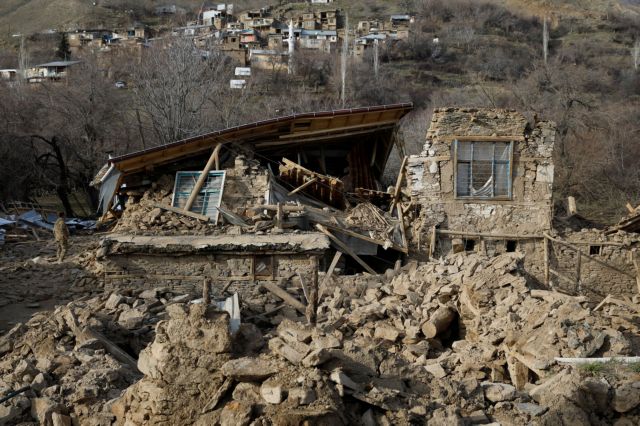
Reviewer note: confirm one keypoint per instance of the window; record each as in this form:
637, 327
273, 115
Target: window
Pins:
510, 246
469, 245
208, 198
594, 250
483, 169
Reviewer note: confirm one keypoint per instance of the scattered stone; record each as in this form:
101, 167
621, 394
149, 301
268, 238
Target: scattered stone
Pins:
534, 410
626, 397
497, 392
236, 413
301, 396
386, 332
273, 394
436, 370
248, 369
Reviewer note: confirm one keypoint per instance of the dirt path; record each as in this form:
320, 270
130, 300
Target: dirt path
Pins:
32, 281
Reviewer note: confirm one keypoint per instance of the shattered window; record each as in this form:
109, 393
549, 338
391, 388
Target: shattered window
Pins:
209, 197
483, 169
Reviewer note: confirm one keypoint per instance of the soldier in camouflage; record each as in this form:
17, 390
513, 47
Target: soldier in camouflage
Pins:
61, 234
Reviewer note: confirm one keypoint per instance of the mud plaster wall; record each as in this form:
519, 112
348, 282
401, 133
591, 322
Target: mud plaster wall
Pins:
430, 180
221, 268
246, 185
430, 175
596, 280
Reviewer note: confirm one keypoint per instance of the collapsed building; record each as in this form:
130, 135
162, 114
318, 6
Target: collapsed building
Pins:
271, 197
421, 303
484, 183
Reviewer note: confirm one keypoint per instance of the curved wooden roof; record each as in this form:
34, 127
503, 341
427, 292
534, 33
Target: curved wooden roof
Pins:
292, 130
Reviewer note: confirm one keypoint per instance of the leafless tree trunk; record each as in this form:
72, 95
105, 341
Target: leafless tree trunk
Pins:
545, 39
177, 87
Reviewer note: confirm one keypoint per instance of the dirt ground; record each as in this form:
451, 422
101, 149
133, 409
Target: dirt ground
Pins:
31, 280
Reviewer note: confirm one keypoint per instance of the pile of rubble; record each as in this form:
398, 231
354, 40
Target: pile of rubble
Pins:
141, 214
463, 340
71, 364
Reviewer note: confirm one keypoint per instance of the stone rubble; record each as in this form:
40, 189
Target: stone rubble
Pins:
367, 360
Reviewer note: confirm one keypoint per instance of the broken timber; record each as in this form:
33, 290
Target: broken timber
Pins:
303, 186
364, 237
203, 177
345, 248
398, 187
182, 212
327, 189
284, 295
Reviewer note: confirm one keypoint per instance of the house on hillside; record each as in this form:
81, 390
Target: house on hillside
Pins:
8, 74
322, 40
262, 203
50, 71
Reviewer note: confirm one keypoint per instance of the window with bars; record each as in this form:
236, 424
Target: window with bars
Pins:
208, 198
483, 169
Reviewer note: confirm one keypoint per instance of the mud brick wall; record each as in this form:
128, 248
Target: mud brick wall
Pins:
221, 268
596, 280
529, 212
430, 175
246, 185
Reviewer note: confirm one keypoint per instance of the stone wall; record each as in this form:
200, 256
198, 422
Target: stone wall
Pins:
246, 185
222, 268
430, 175
596, 280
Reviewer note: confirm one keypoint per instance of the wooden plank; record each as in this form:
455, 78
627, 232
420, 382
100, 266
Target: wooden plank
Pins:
396, 192
274, 207
546, 261
203, 177
182, 212
487, 235
572, 209
303, 186
482, 138
279, 216
88, 333
403, 231
284, 295
432, 241
345, 248
364, 237
329, 273
158, 276
635, 265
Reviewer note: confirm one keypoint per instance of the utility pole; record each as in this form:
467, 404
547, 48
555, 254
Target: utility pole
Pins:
376, 58
343, 62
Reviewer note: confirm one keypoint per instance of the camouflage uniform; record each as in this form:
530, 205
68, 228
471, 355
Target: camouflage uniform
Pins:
61, 234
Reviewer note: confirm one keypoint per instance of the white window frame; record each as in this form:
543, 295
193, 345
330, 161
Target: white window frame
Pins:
509, 163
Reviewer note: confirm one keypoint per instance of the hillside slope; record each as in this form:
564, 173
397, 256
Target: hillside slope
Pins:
31, 16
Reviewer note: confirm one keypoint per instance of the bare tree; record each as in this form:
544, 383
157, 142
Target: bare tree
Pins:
545, 39
178, 87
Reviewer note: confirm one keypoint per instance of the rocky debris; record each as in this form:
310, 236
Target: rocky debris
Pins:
369, 359
69, 376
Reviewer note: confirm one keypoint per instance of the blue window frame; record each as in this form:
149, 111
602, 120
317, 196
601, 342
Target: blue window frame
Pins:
209, 197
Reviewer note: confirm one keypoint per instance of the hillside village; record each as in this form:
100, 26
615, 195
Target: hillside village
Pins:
253, 38
294, 214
